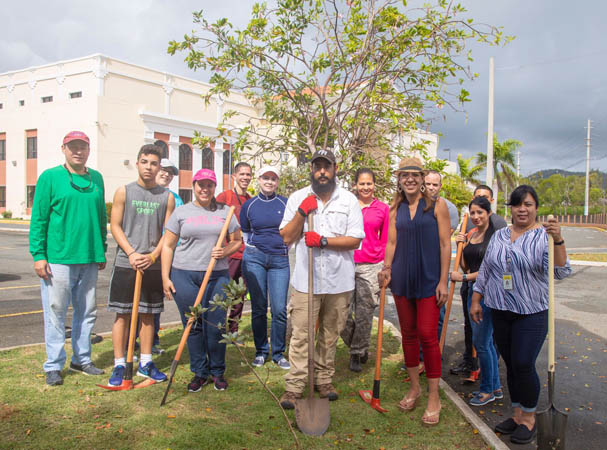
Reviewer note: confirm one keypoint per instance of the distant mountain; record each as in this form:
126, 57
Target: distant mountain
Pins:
543, 174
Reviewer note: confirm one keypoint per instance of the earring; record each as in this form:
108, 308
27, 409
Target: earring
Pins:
423, 188
399, 188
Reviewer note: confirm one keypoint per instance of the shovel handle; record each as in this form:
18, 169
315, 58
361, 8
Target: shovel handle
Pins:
458, 258
380, 332
134, 317
550, 302
310, 312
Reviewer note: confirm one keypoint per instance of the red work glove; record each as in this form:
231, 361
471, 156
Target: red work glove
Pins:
308, 205
313, 238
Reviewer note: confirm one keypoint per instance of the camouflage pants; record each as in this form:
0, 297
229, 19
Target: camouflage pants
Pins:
357, 331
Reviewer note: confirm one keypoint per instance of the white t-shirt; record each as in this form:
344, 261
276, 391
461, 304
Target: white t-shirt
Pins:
198, 230
333, 269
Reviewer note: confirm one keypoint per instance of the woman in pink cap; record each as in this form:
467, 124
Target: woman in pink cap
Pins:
197, 226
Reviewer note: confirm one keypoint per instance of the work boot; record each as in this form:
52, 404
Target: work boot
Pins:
355, 363
327, 390
462, 368
288, 399
365, 357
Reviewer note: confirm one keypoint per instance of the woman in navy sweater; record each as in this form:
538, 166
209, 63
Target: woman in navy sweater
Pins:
265, 266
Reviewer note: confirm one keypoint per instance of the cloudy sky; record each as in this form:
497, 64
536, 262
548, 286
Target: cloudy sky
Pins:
548, 81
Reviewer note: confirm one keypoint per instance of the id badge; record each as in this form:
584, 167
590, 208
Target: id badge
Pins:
507, 280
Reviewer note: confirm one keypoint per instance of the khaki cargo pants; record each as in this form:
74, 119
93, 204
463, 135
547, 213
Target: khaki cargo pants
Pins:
330, 310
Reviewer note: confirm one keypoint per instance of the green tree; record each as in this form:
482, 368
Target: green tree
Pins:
467, 171
349, 75
504, 165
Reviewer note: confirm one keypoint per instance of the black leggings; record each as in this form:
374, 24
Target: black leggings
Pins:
519, 339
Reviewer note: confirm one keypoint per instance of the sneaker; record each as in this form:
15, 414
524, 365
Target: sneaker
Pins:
355, 363
482, 399
220, 383
523, 435
87, 369
197, 383
283, 363
117, 376
259, 361
365, 357
462, 368
288, 399
53, 378
327, 390
498, 393
157, 350
506, 427
150, 371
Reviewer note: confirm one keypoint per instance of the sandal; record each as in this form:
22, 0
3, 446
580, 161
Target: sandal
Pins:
431, 418
409, 404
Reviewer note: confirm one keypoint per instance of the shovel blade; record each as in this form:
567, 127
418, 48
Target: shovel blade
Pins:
551, 429
366, 396
145, 383
126, 385
312, 415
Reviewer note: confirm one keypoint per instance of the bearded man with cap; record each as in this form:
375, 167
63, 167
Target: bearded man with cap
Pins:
265, 266
338, 231
67, 240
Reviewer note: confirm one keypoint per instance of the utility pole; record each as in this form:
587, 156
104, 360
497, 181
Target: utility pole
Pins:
587, 169
518, 165
489, 178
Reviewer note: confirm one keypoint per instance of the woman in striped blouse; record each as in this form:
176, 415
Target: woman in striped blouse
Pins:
513, 282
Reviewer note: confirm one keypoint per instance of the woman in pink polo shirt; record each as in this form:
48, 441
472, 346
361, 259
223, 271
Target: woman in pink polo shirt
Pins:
368, 259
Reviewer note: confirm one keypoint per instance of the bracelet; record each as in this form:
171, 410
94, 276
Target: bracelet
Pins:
153, 258
560, 243
386, 268
129, 255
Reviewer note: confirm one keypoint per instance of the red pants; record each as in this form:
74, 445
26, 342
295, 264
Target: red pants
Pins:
419, 324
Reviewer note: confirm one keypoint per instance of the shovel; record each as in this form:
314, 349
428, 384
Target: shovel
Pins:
551, 423
372, 398
191, 320
458, 258
312, 414
127, 380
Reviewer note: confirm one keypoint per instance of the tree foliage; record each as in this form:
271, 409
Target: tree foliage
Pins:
504, 162
348, 75
468, 171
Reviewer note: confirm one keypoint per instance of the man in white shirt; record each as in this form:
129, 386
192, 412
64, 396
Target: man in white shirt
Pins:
338, 231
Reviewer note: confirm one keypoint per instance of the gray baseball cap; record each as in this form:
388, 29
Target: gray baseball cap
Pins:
167, 165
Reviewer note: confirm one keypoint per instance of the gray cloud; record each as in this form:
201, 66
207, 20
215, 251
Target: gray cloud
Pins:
544, 104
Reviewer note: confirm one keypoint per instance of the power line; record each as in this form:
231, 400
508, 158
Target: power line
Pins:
553, 61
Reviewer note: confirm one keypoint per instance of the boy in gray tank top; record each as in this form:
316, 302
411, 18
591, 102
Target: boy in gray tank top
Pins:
139, 213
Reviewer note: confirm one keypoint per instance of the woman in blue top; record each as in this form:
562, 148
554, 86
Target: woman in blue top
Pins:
265, 266
418, 255
513, 282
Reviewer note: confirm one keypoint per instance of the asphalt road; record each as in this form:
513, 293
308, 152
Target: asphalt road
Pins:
581, 377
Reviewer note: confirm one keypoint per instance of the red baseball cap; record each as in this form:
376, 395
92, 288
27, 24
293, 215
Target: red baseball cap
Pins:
205, 174
76, 136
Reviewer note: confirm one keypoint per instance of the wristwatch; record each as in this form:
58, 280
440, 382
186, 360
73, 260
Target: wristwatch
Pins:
323, 242
465, 277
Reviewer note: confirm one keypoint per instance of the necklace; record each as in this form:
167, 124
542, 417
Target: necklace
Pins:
86, 176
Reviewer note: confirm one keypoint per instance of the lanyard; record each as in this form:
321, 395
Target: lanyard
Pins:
237, 197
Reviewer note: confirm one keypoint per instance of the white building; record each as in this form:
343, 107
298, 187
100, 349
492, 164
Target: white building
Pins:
120, 106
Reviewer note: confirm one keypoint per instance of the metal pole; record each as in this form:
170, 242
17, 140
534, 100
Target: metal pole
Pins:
489, 178
518, 165
587, 169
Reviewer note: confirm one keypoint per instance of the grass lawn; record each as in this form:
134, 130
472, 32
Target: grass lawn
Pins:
600, 257
81, 415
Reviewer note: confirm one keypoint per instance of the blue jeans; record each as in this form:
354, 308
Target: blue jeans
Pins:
207, 354
519, 338
267, 274
75, 284
482, 338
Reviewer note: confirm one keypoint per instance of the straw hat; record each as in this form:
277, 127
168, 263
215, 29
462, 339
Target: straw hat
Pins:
409, 164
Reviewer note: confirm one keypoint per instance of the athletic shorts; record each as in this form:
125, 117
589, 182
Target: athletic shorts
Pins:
122, 289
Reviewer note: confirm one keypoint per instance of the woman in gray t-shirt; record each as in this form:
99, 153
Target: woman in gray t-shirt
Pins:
197, 226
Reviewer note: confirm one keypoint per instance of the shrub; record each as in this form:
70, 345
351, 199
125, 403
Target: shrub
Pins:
7, 214
108, 210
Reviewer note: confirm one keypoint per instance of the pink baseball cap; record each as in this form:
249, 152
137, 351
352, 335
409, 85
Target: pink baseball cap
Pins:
76, 136
204, 174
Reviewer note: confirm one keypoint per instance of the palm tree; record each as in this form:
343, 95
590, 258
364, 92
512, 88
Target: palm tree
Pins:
467, 171
504, 165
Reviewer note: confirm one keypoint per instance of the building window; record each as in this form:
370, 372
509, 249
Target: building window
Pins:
2, 196
31, 190
186, 195
228, 163
47, 99
2, 149
32, 147
163, 147
21, 102
77, 94
185, 157
207, 158
1, 105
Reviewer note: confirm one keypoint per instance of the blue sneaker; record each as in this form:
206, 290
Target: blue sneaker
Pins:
482, 399
283, 363
150, 371
259, 361
117, 376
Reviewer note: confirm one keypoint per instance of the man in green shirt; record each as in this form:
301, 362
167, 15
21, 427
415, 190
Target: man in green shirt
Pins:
68, 233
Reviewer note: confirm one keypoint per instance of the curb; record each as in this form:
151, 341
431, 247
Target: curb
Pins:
477, 423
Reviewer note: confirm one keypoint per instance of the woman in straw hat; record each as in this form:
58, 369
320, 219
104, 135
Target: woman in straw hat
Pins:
418, 253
